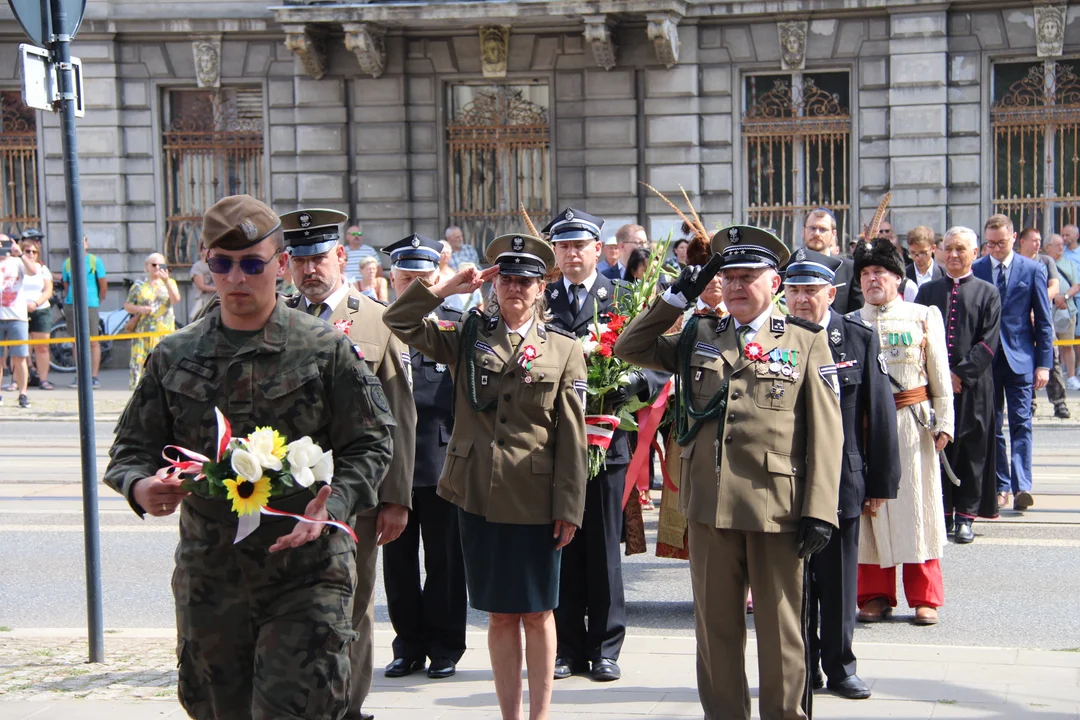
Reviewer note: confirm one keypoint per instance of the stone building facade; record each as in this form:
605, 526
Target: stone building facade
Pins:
413, 116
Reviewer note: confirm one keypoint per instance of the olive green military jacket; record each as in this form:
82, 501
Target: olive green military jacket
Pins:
524, 460
778, 456
298, 375
360, 317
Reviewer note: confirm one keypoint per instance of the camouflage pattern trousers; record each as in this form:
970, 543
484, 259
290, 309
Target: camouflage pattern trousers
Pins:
262, 635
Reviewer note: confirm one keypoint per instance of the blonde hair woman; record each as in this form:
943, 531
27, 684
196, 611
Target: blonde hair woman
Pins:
371, 282
152, 300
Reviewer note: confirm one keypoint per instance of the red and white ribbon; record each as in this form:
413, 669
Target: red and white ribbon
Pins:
596, 433
250, 523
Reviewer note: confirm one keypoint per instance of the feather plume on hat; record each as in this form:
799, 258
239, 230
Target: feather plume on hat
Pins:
699, 249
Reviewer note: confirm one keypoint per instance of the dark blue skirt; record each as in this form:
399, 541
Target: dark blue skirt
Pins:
510, 569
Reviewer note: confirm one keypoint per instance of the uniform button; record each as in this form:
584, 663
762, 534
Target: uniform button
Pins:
736, 395
501, 442
506, 396
502, 419
731, 417
729, 439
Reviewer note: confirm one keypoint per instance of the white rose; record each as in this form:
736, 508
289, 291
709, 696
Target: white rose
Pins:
303, 456
246, 466
324, 469
261, 444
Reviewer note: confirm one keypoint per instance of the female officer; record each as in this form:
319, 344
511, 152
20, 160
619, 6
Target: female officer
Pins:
516, 466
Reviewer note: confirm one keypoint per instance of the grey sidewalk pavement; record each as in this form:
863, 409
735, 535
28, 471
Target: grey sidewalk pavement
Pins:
112, 396
910, 682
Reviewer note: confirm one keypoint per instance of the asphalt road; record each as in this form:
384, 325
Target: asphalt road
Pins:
1016, 586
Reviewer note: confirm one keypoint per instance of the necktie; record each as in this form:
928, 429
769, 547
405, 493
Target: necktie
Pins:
316, 309
515, 340
740, 336
574, 304
1001, 285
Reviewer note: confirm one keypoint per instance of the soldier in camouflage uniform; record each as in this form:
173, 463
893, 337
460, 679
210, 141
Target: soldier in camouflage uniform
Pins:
263, 625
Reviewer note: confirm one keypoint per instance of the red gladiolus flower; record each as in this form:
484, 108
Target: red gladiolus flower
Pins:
604, 350
616, 322
609, 337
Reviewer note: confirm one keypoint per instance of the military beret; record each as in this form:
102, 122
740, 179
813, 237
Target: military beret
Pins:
808, 267
573, 224
416, 253
522, 255
746, 246
312, 232
238, 222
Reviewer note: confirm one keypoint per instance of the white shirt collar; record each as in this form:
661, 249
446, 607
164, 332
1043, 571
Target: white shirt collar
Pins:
758, 322
335, 297
1007, 262
587, 283
928, 275
523, 331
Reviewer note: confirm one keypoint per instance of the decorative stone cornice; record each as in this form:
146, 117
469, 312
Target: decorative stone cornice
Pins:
663, 31
207, 51
598, 35
792, 44
1050, 29
309, 44
365, 40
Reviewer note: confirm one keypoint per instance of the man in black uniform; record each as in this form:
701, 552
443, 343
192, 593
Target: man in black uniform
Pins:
591, 581
429, 619
870, 473
972, 308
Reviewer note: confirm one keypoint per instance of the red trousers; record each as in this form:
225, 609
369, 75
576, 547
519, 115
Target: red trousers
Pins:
922, 584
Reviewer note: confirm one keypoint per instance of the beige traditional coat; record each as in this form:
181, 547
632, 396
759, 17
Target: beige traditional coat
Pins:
911, 528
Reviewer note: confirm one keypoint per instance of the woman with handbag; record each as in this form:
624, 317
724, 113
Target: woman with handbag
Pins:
150, 302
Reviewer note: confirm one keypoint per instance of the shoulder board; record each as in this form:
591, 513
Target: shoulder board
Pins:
559, 331
449, 312
293, 301
805, 324
857, 320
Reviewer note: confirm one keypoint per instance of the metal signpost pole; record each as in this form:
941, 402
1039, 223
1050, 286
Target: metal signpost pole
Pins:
61, 48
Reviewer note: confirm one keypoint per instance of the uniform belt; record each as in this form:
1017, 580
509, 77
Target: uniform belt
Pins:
910, 397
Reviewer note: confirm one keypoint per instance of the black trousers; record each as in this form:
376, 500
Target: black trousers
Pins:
430, 619
590, 583
834, 574
1055, 387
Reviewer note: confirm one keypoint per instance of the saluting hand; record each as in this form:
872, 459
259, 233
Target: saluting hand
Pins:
564, 533
304, 533
465, 281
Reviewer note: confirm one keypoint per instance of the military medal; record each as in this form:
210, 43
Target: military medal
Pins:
774, 368
343, 325
753, 351
786, 371
795, 374
528, 354
776, 392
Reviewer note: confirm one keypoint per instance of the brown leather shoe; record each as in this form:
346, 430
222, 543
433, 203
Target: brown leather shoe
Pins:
875, 610
925, 615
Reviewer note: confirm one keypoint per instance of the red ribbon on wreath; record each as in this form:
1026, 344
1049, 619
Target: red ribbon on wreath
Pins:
596, 433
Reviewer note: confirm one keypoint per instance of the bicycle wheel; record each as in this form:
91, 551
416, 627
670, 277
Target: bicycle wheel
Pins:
61, 355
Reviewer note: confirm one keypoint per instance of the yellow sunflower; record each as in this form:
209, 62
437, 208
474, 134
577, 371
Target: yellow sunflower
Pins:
247, 497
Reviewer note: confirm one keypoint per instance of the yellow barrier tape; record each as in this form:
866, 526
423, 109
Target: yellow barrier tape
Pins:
1061, 343
93, 338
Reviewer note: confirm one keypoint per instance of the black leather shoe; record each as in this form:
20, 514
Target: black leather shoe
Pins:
964, 533
604, 670
403, 666
1060, 411
441, 668
816, 679
851, 688
565, 667
950, 525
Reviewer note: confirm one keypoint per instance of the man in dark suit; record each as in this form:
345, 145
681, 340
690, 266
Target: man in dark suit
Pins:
591, 581
629, 239
819, 235
923, 267
429, 618
870, 473
1027, 353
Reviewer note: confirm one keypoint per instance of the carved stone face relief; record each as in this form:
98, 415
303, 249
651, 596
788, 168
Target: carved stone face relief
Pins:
792, 44
1050, 30
494, 50
207, 61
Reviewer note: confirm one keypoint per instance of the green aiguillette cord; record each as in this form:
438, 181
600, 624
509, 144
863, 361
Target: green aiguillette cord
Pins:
684, 395
468, 359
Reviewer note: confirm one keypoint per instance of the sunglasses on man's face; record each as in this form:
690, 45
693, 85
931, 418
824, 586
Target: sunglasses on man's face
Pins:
221, 265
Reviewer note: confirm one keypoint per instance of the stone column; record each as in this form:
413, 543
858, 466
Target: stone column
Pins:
918, 139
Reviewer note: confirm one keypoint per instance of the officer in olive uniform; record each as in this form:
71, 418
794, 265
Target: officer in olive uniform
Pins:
758, 418
871, 469
262, 633
429, 617
317, 260
591, 586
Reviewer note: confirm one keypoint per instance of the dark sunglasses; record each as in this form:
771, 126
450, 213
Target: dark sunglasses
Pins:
220, 265
158, 265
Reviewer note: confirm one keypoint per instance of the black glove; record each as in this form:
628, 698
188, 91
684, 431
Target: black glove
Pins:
694, 278
814, 535
617, 398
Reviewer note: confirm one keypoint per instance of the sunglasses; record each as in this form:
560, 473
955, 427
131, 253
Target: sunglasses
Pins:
220, 265
30, 252
158, 265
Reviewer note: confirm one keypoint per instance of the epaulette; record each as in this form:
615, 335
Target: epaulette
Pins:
451, 310
560, 331
796, 320
293, 300
856, 317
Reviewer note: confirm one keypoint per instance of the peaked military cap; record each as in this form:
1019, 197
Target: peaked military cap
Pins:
573, 224
31, 234
808, 267
312, 232
416, 252
238, 222
746, 246
521, 255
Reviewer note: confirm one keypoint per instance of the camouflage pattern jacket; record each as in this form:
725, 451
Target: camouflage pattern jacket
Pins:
297, 375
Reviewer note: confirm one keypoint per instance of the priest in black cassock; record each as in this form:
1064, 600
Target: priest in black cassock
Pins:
972, 311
